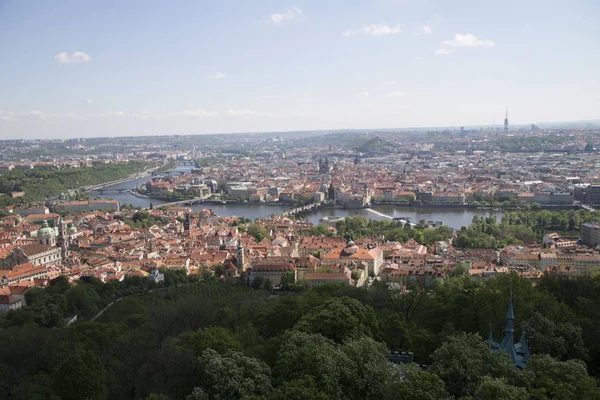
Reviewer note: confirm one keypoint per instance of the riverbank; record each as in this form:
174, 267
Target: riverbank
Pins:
556, 207
135, 176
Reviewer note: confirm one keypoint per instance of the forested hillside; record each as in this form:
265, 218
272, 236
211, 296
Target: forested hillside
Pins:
39, 184
191, 339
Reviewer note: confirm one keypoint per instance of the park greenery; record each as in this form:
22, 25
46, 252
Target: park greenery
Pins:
143, 219
197, 338
513, 228
40, 184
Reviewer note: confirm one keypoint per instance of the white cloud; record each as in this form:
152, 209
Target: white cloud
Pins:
141, 115
88, 101
76, 57
269, 97
396, 94
35, 115
41, 116
216, 75
442, 52
7, 116
426, 30
246, 113
379, 29
76, 117
307, 99
404, 107
363, 94
468, 40
195, 113
289, 15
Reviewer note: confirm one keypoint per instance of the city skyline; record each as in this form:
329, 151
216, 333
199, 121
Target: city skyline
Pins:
123, 69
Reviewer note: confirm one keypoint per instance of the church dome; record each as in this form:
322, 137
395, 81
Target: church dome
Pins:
72, 228
350, 249
45, 230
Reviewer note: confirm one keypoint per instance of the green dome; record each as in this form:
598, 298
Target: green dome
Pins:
45, 230
72, 228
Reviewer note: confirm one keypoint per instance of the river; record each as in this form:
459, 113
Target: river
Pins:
454, 218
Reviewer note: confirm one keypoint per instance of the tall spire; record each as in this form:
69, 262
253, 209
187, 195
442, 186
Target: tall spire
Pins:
506, 121
491, 335
524, 346
510, 316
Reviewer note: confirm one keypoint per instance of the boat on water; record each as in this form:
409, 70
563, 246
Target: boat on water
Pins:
331, 219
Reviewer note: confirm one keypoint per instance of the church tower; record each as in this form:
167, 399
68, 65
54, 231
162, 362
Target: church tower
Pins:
519, 352
186, 224
63, 239
331, 192
240, 258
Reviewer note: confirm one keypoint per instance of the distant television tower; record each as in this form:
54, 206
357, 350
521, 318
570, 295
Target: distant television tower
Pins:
506, 122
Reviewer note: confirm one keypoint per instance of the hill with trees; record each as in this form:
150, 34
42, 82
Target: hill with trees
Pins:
375, 145
40, 184
198, 338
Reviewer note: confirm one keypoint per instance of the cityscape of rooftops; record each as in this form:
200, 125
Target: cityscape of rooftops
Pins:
385, 199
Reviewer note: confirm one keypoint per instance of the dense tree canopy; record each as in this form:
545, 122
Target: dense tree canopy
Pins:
483, 233
190, 339
56, 182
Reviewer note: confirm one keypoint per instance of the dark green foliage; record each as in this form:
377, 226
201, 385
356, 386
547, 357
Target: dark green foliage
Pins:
215, 338
520, 227
258, 231
563, 340
498, 389
208, 340
287, 280
232, 376
316, 359
257, 282
375, 145
356, 227
157, 397
143, 219
553, 379
304, 388
219, 270
81, 376
56, 182
417, 384
338, 319
465, 360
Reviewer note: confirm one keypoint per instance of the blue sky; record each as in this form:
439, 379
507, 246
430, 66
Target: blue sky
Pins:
134, 67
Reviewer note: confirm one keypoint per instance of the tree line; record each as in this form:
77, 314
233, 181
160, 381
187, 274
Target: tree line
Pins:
197, 338
484, 232
40, 184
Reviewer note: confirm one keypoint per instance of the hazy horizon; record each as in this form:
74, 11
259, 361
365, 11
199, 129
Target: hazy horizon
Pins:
105, 69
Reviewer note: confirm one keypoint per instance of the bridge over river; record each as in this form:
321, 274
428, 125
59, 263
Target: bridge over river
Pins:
111, 190
187, 202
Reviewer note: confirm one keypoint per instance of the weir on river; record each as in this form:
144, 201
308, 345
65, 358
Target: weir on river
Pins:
404, 221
